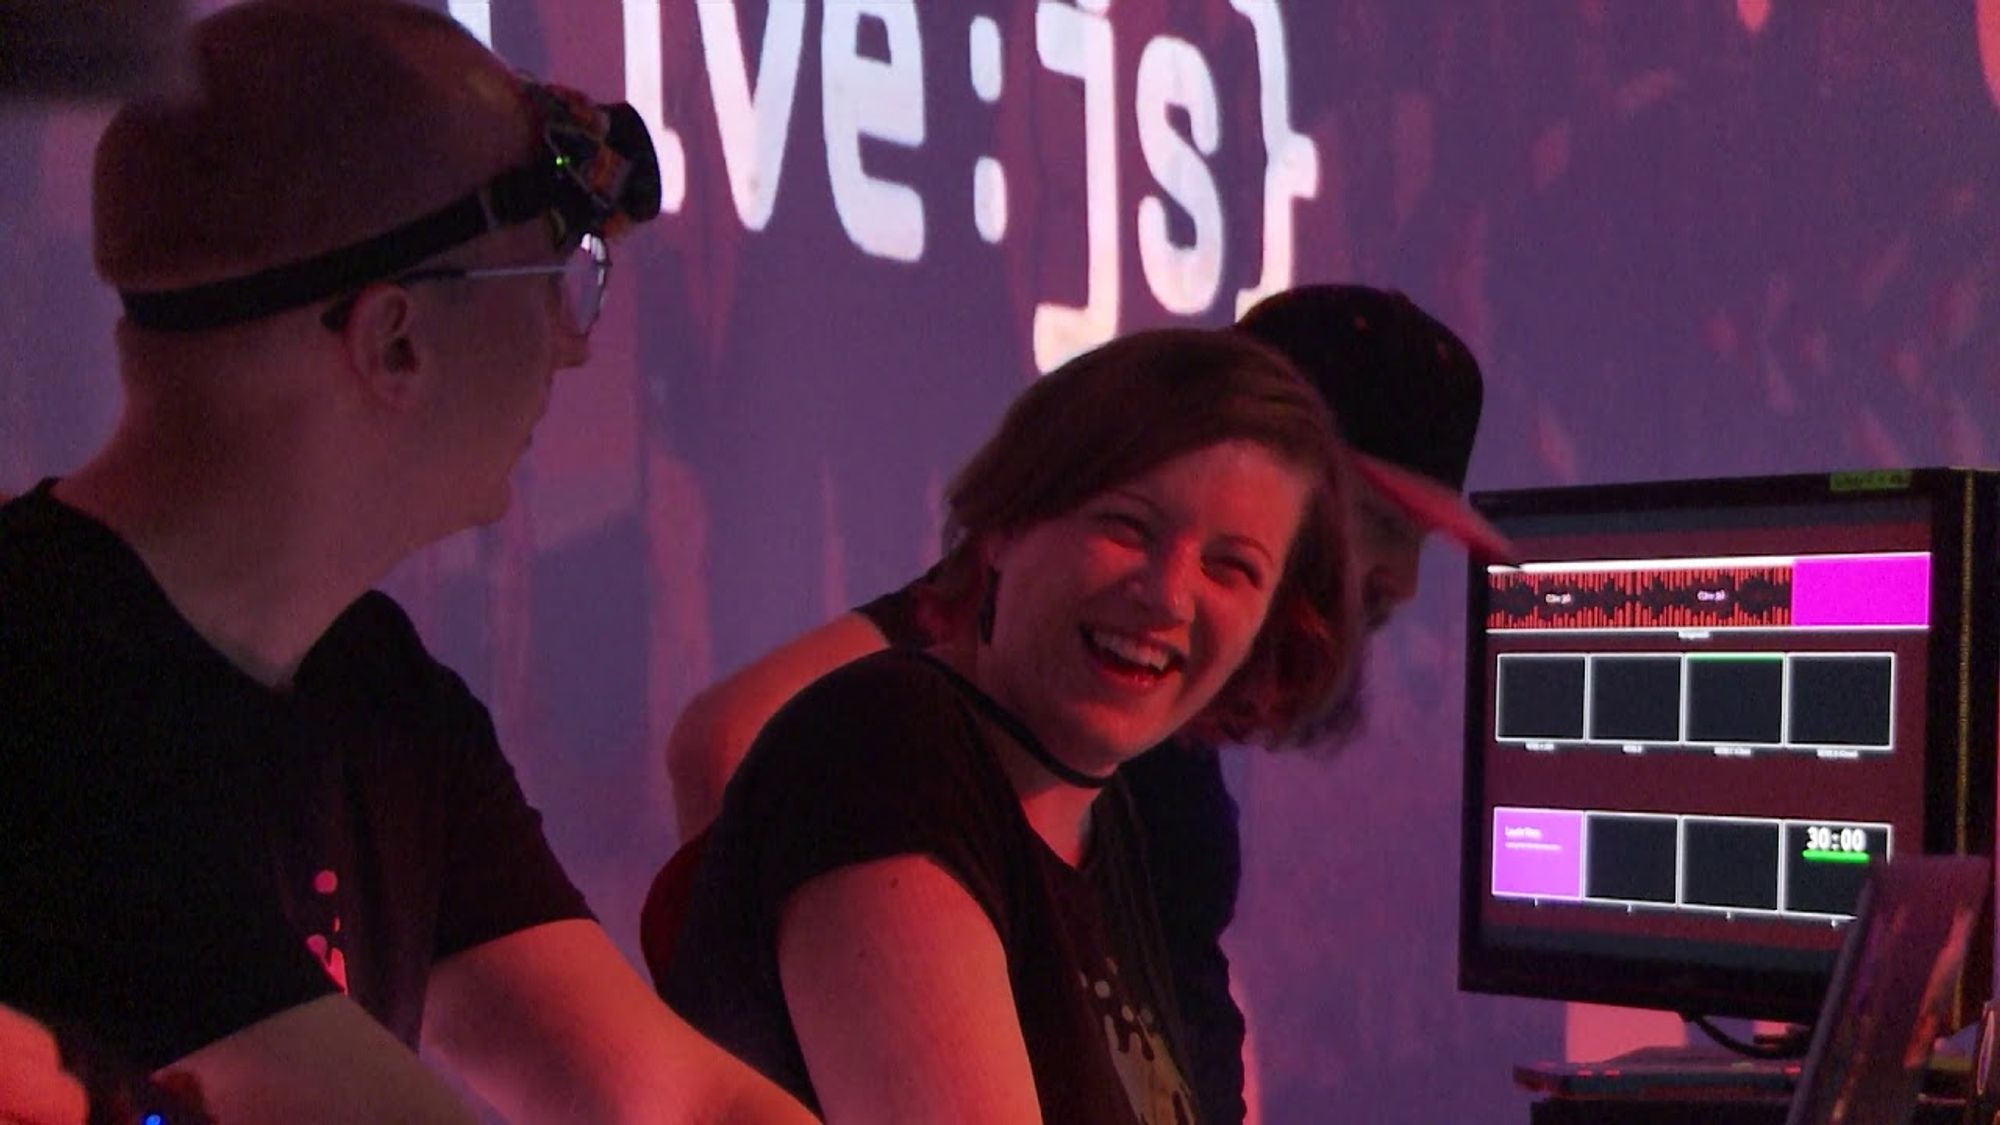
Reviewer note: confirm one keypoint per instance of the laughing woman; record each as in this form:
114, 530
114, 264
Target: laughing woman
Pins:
924, 899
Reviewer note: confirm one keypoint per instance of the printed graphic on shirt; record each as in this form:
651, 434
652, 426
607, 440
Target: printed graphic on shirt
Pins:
326, 946
1153, 1083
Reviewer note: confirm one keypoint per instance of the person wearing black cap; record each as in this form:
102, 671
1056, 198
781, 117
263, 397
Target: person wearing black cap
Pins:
1407, 395
258, 841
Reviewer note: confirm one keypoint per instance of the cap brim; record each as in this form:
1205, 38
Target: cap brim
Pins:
1437, 507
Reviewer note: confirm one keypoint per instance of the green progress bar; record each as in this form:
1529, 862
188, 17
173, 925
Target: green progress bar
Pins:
1815, 855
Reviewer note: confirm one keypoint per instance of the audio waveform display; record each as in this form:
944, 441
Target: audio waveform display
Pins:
1888, 589
1691, 598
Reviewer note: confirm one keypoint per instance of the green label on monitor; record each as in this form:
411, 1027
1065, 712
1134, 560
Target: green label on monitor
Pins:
1869, 480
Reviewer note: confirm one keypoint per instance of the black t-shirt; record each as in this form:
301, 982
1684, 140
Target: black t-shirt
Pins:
895, 755
1193, 857
184, 851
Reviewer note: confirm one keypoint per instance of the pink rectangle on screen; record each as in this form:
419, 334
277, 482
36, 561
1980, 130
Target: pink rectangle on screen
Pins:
1538, 853
1862, 590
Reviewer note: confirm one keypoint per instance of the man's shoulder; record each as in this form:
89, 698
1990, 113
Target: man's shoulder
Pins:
68, 586
377, 623
373, 652
43, 543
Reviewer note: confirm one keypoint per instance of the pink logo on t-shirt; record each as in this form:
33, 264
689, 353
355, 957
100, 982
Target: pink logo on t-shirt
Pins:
330, 957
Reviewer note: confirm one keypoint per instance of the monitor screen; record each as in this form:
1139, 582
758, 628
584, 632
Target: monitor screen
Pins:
1696, 711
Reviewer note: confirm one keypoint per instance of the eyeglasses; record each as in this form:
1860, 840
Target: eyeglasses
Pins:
581, 278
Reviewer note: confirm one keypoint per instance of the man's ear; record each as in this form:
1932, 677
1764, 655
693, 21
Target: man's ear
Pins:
381, 345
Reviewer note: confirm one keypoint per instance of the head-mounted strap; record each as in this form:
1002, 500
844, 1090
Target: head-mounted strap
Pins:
512, 198
596, 173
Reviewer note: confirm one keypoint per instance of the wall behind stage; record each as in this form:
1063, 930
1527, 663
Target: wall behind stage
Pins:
1686, 238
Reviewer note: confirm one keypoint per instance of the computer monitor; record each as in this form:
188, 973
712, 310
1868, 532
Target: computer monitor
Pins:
1695, 712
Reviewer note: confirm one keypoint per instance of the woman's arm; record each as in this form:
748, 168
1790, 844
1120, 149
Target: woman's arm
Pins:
897, 986
718, 725
551, 1024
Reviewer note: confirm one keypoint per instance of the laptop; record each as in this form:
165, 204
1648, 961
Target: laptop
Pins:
1887, 1002
1891, 992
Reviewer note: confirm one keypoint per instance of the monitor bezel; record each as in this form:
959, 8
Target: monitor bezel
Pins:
1961, 724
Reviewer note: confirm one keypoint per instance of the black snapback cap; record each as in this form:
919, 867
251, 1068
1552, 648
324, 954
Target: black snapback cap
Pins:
1404, 388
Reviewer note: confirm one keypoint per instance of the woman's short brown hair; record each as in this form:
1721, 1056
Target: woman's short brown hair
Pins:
1121, 410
